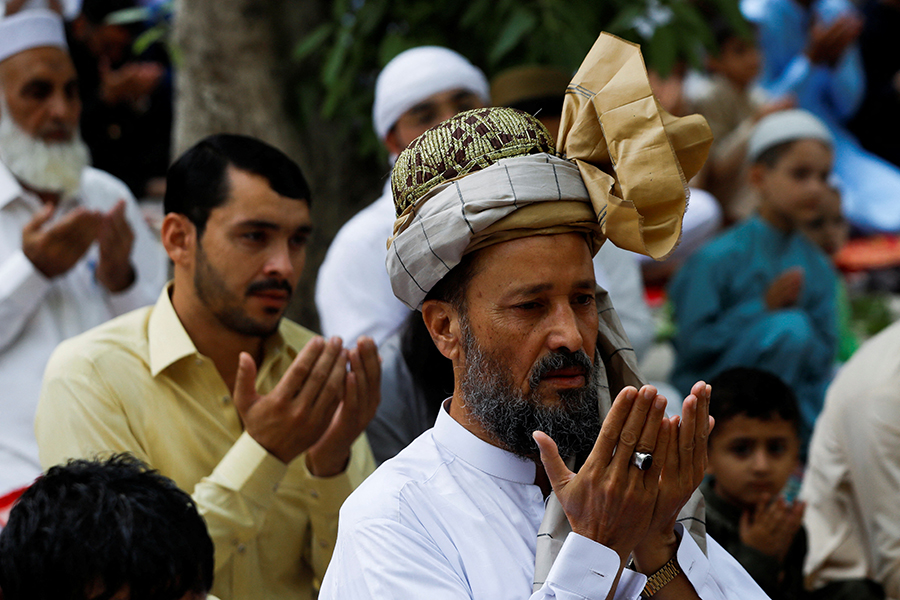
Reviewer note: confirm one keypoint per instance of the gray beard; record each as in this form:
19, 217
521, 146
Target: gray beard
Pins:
511, 416
46, 167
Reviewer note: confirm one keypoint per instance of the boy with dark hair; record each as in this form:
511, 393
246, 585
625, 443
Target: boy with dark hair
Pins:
105, 529
753, 450
762, 295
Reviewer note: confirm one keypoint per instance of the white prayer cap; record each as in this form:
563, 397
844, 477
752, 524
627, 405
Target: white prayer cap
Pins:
415, 74
786, 126
31, 29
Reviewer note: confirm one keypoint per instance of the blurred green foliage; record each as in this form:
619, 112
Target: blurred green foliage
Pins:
361, 36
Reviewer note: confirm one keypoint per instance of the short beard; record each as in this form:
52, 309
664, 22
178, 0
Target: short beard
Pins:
510, 416
45, 167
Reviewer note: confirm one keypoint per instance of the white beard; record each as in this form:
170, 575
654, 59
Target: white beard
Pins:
46, 167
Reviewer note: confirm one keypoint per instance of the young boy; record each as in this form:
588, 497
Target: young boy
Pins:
732, 104
762, 295
753, 450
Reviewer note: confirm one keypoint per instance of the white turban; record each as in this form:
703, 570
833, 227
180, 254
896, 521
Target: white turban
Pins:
417, 73
31, 29
786, 126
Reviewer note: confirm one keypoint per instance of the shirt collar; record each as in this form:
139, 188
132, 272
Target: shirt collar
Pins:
485, 457
167, 339
10, 188
169, 342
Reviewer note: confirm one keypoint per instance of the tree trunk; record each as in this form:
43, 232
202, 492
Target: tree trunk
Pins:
235, 76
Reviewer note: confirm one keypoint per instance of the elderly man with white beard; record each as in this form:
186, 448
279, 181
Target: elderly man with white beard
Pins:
74, 250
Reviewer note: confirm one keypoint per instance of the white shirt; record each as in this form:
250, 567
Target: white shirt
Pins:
37, 313
353, 290
454, 517
852, 479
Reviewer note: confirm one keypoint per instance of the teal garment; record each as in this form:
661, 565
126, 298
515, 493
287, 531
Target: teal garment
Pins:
722, 321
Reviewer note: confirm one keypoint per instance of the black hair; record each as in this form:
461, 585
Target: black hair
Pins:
770, 156
95, 526
197, 182
431, 371
96, 11
452, 288
753, 393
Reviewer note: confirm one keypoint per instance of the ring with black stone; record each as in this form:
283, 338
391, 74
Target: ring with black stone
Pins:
642, 460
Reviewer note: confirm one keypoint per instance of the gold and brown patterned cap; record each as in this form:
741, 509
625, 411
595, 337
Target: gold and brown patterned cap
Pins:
468, 142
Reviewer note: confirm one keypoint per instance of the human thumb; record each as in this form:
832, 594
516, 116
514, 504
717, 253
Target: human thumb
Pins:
245, 383
39, 219
557, 471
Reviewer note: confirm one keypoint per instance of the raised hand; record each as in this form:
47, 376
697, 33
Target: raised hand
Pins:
55, 249
114, 269
610, 500
293, 416
784, 291
827, 43
683, 468
771, 526
362, 393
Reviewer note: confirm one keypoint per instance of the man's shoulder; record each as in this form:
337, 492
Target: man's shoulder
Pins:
399, 484
101, 189
123, 336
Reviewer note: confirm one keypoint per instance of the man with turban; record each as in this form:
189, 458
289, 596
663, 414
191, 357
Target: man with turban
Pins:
493, 243
419, 88
74, 249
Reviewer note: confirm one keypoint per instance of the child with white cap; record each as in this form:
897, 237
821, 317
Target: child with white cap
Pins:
762, 295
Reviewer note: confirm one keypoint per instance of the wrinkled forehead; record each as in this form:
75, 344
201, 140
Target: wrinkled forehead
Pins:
43, 63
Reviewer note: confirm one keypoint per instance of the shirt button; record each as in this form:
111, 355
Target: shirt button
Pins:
314, 493
225, 399
323, 544
198, 361
241, 548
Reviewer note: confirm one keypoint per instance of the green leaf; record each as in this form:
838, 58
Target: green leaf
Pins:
662, 50
150, 37
312, 41
624, 20
334, 63
521, 23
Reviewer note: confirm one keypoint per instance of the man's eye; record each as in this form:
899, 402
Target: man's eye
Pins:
585, 299
741, 449
37, 91
528, 305
776, 447
254, 236
298, 240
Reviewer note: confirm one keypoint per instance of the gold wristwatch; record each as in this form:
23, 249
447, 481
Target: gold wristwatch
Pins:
658, 580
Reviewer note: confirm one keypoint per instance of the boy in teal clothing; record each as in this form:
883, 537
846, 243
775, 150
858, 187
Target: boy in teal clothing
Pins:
761, 294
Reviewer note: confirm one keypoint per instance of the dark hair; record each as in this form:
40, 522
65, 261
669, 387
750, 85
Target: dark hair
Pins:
452, 288
96, 11
99, 525
431, 371
754, 393
197, 182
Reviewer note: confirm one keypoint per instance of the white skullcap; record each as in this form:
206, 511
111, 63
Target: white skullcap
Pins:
417, 73
29, 29
786, 126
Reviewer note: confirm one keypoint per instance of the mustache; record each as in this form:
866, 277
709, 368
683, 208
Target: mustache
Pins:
268, 285
560, 359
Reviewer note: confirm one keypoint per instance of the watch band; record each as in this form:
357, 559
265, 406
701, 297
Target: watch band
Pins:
664, 575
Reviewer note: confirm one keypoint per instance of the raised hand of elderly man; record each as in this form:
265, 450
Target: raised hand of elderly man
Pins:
683, 467
609, 500
116, 239
54, 249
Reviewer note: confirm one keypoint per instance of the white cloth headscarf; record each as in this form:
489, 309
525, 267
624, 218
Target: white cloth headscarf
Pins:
417, 73
29, 29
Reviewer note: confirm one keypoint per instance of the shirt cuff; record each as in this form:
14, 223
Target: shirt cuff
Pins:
326, 494
250, 469
588, 569
691, 559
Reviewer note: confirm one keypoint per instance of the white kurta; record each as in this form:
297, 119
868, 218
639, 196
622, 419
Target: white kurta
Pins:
37, 313
454, 517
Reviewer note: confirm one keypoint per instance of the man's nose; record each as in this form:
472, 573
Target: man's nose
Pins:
564, 330
279, 263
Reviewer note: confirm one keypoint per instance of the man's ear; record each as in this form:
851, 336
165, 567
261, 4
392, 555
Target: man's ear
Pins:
392, 142
757, 175
179, 238
442, 322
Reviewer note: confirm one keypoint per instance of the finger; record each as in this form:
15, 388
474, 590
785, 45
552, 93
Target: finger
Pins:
300, 368
323, 374
660, 452
647, 441
326, 399
557, 472
365, 362
39, 219
686, 431
244, 395
634, 425
611, 429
